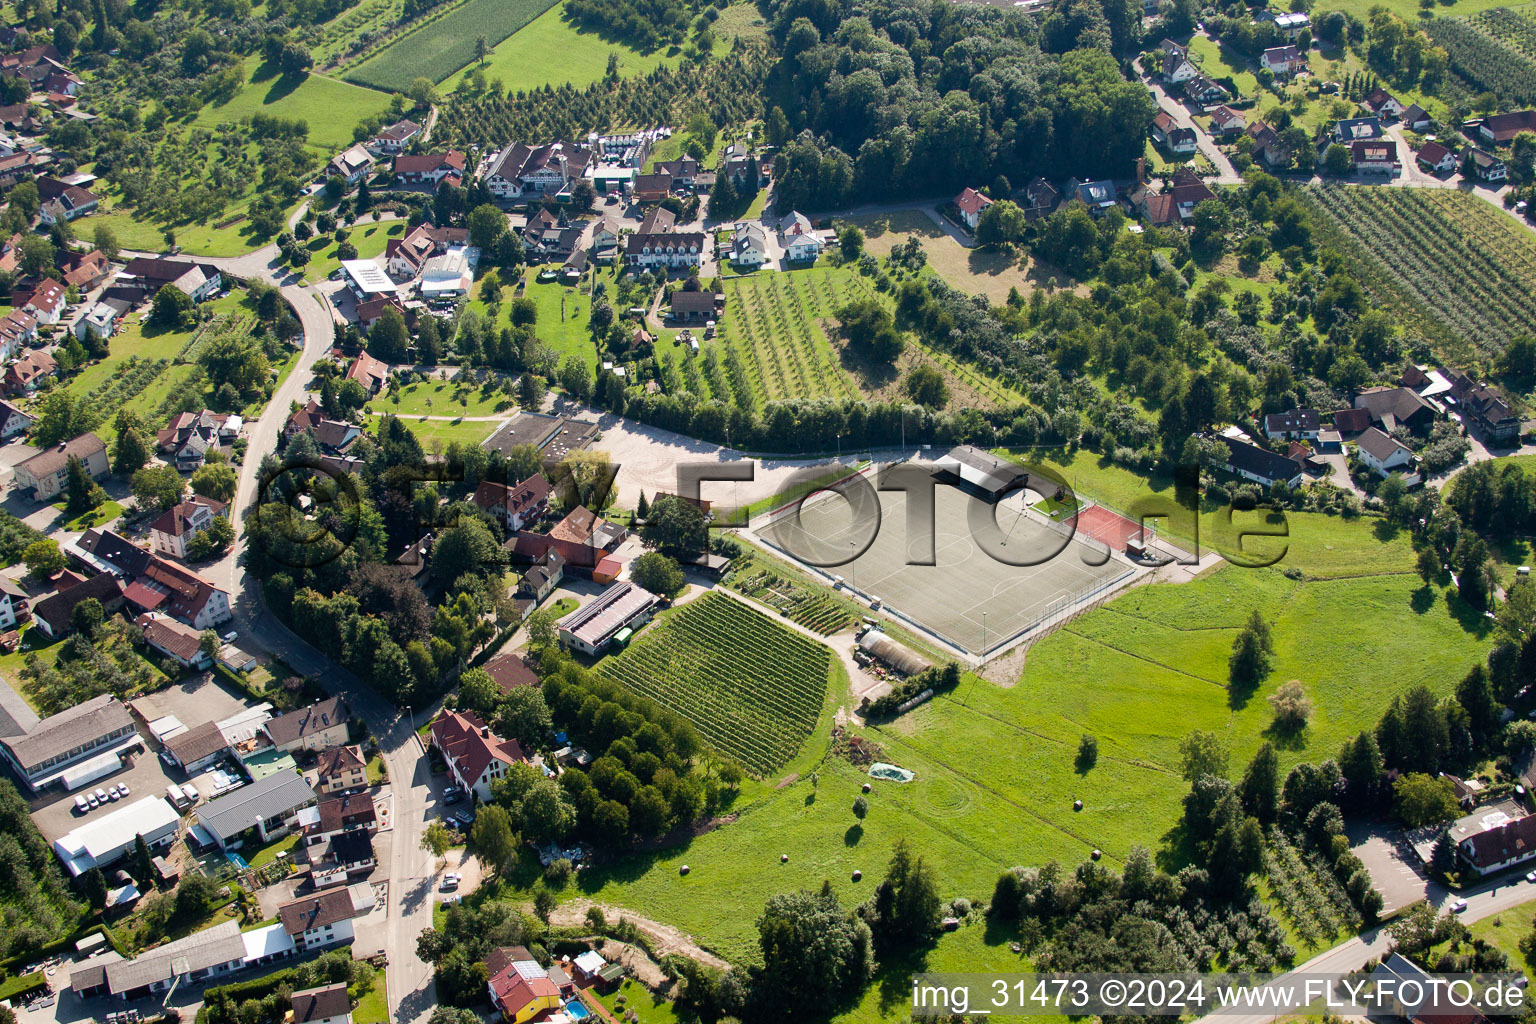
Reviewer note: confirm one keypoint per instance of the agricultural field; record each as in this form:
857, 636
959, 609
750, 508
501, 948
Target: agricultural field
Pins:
439, 48
775, 321
805, 604
753, 688
332, 107
1493, 50
1304, 888
520, 62
1444, 259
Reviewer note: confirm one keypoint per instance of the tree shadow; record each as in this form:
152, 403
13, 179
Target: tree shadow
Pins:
283, 86
1286, 737
1240, 693
1422, 600
1386, 530
853, 835
1469, 618
1175, 850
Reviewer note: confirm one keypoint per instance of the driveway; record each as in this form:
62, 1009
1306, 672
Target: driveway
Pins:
1226, 174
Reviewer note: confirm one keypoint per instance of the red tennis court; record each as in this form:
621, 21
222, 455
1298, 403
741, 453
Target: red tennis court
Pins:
1108, 528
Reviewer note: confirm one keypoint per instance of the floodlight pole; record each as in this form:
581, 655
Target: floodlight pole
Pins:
853, 567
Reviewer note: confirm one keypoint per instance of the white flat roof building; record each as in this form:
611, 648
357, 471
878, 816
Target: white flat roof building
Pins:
102, 841
366, 277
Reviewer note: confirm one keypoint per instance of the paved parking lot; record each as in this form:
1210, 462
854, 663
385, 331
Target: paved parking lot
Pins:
203, 698
1389, 857
54, 811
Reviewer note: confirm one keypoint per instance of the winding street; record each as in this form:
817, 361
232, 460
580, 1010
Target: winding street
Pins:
411, 989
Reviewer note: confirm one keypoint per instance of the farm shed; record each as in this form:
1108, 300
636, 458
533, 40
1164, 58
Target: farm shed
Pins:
900, 658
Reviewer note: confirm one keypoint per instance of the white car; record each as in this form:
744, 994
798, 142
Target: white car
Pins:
450, 882
231, 636
114, 795
82, 804
122, 788
101, 796
1530, 876
1457, 906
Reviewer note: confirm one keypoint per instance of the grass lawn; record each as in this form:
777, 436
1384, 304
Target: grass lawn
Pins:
103, 513
193, 239
1505, 930
1218, 61
373, 1007
975, 271
563, 310
436, 435
446, 398
648, 1007
1408, 10
267, 854
561, 608
330, 105
368, 238
520, 62
376, 770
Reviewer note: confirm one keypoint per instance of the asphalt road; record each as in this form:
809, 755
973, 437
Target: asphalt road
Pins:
412, 991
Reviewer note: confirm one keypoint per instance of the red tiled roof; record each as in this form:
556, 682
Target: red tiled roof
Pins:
971, 201
469, 743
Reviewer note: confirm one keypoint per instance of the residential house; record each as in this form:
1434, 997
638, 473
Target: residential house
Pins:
1501, 129
683, 170
404, 257
749, 246
666, 250
1226, 121
520, 170
1098, 195
25, 374
12, 421
90, 729
475, 756
744, 168
17, 329
1378, 156
1391, 408
582, 526
1486, 407
320, 725
510, 671
101, 319
171, 531
340, 859
47, 301
371, 373
517, 506
1416, 118
605, 240
652, 188
549, 237
351, 165
347, 812
1251, 462
544, 577
369, 311
190, 436
341, 769
1382, 103
320, 920
1487, 167
266, 809
1503, 846
1358, 129
396, 138
198, 281
84, 270
13, 604
1162, 124
1177, 68
1203, 90
182, 644
430, 169
46, 473
1282, 61
62, 201
328, 1004
52, 614
1040, 198
1187, 190
658, 220
518, 986
1384, 454
1267, 145
1293, 425
1434, 157
798, 237
969, 203
151, 582
619, 609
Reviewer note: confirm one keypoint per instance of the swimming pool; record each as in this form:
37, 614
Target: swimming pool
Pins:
577, 1010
